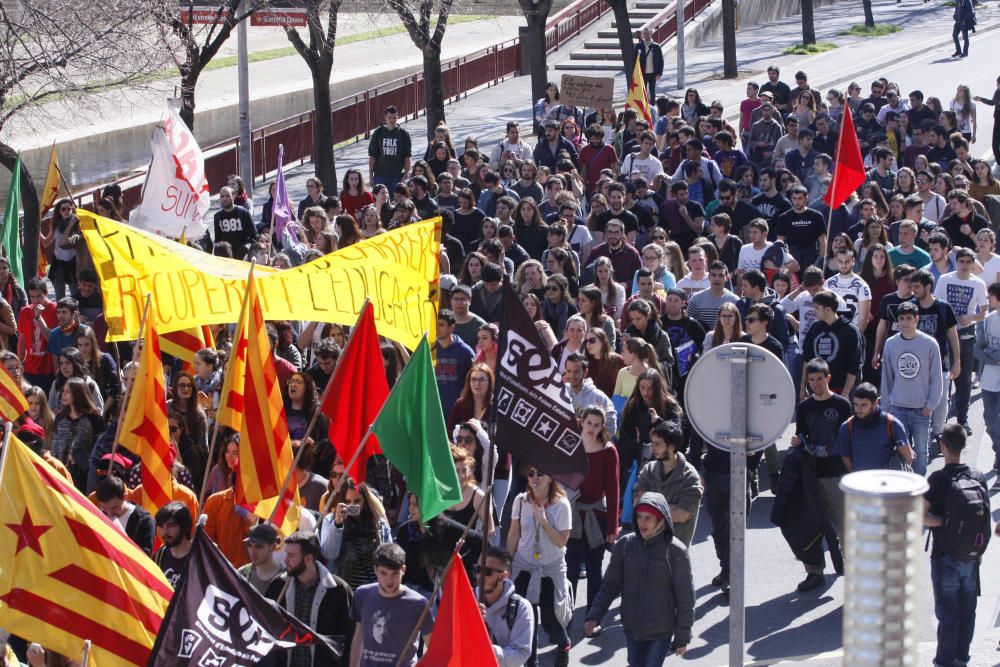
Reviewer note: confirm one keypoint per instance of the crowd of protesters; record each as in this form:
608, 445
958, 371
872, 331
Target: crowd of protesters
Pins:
634, 249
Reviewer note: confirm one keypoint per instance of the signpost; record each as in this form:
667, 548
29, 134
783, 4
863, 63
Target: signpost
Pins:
760, 404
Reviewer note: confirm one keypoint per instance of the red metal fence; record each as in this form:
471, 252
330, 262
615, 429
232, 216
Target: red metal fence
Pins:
357, 115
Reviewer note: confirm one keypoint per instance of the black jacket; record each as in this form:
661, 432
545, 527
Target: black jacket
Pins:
640, 53
141, 529
798, 510
330, 614
654, 580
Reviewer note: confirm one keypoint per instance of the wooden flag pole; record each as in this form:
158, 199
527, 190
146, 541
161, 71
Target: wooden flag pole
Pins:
218, 428
128, 389
315, 418
437, 586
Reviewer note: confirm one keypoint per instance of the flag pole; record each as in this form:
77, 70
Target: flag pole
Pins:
315, 418
128, 389
832, 191
8, 429
437, 585
218, 427
86, 653
343, 475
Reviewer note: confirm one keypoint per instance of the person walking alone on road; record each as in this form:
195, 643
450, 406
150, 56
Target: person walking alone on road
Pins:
965, 20
650, 57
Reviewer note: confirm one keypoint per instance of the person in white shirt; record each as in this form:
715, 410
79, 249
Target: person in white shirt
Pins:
650, 167
752, 253
697, 279
986, 243
987, 352
966, 294
850, 287
511, 147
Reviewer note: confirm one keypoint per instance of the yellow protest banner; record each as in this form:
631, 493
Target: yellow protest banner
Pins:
397, 270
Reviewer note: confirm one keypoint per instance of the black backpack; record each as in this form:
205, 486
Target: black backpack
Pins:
967, 524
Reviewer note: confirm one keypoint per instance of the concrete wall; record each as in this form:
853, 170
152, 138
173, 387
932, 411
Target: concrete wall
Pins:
751, 12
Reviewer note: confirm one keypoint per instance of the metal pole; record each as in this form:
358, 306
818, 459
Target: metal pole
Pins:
737, 503
884, 521
246, 143
680, 42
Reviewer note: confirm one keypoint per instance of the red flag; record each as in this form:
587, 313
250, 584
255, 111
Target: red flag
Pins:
460, 638
849, 172
358, 390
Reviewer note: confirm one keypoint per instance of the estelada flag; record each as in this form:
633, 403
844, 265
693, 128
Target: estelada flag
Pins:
185, 343
460, 638
357, 392
849, 166
265, 447
218, 618
535, 419
13, 404
67, 573
637, 98
144, 426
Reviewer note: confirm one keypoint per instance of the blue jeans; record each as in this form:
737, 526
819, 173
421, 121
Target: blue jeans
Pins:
389, 182
991, 415
649, 653
955, 590
919, 428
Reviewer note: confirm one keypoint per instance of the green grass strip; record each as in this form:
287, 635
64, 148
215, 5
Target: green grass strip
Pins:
808, 49
879, 30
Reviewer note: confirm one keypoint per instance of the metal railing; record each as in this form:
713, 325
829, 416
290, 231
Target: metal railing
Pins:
664, 24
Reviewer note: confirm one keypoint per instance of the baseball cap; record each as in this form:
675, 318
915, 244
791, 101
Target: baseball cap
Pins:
262, 533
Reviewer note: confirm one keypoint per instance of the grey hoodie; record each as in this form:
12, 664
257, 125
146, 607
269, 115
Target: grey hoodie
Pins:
654, 580
511, 637
681, 487
910, 377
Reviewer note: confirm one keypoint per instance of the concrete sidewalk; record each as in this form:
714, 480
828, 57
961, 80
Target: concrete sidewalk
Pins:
484, 114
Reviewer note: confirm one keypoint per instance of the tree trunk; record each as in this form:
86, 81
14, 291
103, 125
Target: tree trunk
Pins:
536, 15
323, 158
808, 24
32, 217
189, 80
869, 16
623, 26
433, 86
729, 69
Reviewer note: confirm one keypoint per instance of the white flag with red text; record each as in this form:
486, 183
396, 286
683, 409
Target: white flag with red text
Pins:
175, 197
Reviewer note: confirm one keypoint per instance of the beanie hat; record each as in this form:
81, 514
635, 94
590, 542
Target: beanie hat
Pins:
650, 509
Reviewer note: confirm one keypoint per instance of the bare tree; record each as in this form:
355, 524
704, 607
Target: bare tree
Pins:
200, 43
537, 15
55, 53
869, 16
416, 16
808, 24
729, 68
318, 54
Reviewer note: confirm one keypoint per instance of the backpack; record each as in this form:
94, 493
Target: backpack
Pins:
967, 524
510, 612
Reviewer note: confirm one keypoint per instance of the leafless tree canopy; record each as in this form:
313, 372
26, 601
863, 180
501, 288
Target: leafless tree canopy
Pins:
68, 50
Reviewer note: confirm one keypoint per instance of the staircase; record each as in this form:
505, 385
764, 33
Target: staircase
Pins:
603, 53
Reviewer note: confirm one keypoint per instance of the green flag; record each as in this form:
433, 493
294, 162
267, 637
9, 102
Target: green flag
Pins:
413, 436
12, 223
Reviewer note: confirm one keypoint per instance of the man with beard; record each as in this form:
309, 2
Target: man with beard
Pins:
508, 616
377, 641
173, 521
670, 474
313, 595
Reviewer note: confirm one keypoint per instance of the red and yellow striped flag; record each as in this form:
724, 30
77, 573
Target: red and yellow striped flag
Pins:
230, 412
13, 404
184, 343
104, 588
265, 448
144, 427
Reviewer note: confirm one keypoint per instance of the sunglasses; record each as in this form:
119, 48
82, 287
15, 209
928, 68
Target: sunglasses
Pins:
552, 288
185, 385
488, 571
591, 341
465, 440
535, 473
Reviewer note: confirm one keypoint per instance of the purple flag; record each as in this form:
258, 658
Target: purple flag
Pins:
281, 209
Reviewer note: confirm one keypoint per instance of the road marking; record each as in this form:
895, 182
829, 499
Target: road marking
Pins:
827, 655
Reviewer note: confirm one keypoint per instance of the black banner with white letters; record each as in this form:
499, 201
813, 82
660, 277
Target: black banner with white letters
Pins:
218, 619
535, 420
